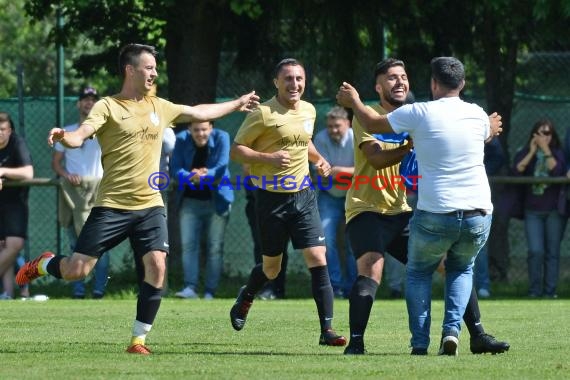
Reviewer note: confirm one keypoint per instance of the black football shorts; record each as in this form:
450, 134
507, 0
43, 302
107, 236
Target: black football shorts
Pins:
106, 227
281, 216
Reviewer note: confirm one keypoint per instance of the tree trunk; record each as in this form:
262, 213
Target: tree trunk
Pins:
194, 38
500, 72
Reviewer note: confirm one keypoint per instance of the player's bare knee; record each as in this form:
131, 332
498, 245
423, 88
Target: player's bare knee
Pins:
13, 245
155, 265
155, 268
272, 272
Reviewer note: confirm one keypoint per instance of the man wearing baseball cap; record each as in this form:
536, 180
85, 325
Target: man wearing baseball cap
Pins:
88, 92
80, 171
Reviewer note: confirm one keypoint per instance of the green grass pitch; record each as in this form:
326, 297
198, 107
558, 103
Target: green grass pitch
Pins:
68, 339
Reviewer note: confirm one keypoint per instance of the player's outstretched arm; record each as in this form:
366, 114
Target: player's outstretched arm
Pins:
207, 112
72, 139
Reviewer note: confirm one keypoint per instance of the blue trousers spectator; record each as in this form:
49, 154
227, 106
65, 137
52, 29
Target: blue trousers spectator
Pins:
543, 234
199, 218
462, 239
331, 210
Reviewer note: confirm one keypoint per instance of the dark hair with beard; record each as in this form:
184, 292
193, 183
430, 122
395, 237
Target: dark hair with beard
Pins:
382, 68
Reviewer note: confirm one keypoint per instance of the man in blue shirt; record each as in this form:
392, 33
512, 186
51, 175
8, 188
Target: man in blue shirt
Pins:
201, 156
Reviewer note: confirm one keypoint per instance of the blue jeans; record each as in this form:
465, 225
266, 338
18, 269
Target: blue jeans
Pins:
101, 270
543, 234
199, 218
331, 210
481, 269
431, 236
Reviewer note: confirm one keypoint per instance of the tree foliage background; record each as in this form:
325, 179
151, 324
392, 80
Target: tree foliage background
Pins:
24, 44
221, 48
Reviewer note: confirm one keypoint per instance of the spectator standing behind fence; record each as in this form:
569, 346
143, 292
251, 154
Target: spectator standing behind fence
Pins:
544, 207
8, 279
81, 172
274, 289
494, 160
336, 144
202, 155
15, 164
129, 126
168, 141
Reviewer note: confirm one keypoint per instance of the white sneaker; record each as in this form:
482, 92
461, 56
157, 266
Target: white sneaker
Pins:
187, 292
449, 345
208, 296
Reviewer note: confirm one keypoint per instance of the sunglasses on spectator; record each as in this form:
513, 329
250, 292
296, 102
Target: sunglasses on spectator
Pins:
545, 133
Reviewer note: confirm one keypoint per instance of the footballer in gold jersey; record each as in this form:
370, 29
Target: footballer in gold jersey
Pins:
275, 140
129, 127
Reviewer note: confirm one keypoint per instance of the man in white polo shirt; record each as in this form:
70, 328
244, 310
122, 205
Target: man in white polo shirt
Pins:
80, 171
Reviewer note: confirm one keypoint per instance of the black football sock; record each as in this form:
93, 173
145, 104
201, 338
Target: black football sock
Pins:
148, 303
472, 316
53, 266
257, 279
323, 295
361, 300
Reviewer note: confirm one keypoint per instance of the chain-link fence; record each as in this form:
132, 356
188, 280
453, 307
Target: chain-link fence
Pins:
531, 103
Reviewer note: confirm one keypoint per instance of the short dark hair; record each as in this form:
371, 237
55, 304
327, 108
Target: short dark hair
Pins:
448, 71
383, 66
285, 62
5, 118
129, 55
